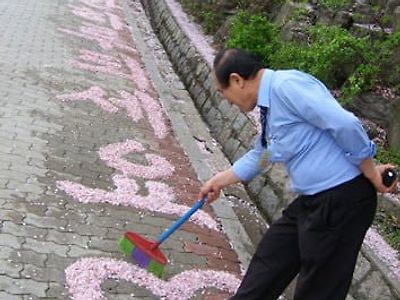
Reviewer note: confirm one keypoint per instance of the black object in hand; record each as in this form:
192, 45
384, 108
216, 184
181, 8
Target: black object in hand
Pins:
388, 177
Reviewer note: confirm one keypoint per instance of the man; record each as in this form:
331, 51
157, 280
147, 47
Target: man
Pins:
328, 157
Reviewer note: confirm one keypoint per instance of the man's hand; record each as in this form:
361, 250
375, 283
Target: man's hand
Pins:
374, 174
378, 180
212, 188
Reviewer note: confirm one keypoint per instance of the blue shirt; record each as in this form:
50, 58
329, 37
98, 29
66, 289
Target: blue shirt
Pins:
320, 143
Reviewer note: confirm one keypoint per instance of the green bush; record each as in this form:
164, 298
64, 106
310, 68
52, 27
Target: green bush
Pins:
334, 4
386, 156
363, 79
389, 226
210, 21
332, 56
342, 61
255, 34
378, 56
206, 13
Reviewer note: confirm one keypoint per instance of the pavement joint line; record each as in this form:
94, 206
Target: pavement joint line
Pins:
235, 231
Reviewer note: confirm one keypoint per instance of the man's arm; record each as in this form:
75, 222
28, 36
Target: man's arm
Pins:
309, 99
246, 168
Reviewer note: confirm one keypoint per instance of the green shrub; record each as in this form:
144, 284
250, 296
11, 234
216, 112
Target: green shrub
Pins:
334, 4
335, 54
363, 79
210, 21
339, 59
255, 34
389, 226
332, 56
386, 156
291, 56
378, 56
204, 12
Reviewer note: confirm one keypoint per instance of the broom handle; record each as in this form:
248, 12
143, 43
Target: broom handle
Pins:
180, 221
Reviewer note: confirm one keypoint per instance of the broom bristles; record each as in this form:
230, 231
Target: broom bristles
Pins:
145, 253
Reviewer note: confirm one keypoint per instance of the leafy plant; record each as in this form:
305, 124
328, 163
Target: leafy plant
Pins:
205, 13
389, 226
342, 61
335, 54
210, 21
332, 55
334, 4
255, 34
388, 156
363, 79
379, 55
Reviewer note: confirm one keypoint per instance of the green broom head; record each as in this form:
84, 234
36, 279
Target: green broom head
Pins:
143, 252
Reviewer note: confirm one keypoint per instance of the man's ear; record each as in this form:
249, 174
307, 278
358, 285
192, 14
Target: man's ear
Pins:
236, 79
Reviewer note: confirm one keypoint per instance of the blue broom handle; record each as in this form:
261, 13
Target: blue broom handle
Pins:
181, 220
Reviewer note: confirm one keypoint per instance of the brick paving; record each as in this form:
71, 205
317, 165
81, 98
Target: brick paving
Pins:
52, 52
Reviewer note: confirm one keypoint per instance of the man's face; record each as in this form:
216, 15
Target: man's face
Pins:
237, 93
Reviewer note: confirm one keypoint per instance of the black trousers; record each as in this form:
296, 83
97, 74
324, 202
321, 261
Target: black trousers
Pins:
318, 237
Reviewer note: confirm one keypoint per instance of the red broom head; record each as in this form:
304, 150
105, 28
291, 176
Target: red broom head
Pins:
145, 250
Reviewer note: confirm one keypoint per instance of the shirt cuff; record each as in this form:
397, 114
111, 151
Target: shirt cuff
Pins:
367, 152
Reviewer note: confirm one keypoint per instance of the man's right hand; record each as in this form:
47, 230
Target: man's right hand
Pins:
212, 188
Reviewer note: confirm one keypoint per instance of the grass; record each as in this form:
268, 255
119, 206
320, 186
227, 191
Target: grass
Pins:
389, 227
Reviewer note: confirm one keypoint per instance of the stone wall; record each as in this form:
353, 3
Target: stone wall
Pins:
235, 132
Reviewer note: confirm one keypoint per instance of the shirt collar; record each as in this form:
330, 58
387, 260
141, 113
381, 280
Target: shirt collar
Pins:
264, 94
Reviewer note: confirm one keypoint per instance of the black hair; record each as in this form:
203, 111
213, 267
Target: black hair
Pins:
234, 60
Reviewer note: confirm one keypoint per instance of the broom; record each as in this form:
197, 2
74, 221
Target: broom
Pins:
147, 253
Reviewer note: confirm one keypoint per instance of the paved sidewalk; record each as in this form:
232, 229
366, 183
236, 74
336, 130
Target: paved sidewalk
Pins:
96, 138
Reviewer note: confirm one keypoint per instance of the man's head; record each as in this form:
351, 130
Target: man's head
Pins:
237, 75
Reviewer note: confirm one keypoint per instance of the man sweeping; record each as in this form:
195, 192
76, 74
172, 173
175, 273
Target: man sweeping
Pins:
329, 159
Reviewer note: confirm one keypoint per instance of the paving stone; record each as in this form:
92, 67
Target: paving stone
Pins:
87, 230
11, 215
57, 291
76, 251
104, 244
374, 288
127, 288
5, 252
67, 238
45, 222
23, 286
43, 274
23, 230
10, 268
7, 296
45, 247
188, 259
27, 256
363, 266
107, 222
58, 262
10, 241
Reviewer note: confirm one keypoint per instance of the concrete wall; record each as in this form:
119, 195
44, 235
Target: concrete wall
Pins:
235, 132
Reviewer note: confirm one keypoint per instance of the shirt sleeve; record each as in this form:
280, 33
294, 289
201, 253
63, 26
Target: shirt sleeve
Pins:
311, 101
248, 166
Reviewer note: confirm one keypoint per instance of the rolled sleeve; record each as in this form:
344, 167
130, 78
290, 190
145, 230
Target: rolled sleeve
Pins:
367, 152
